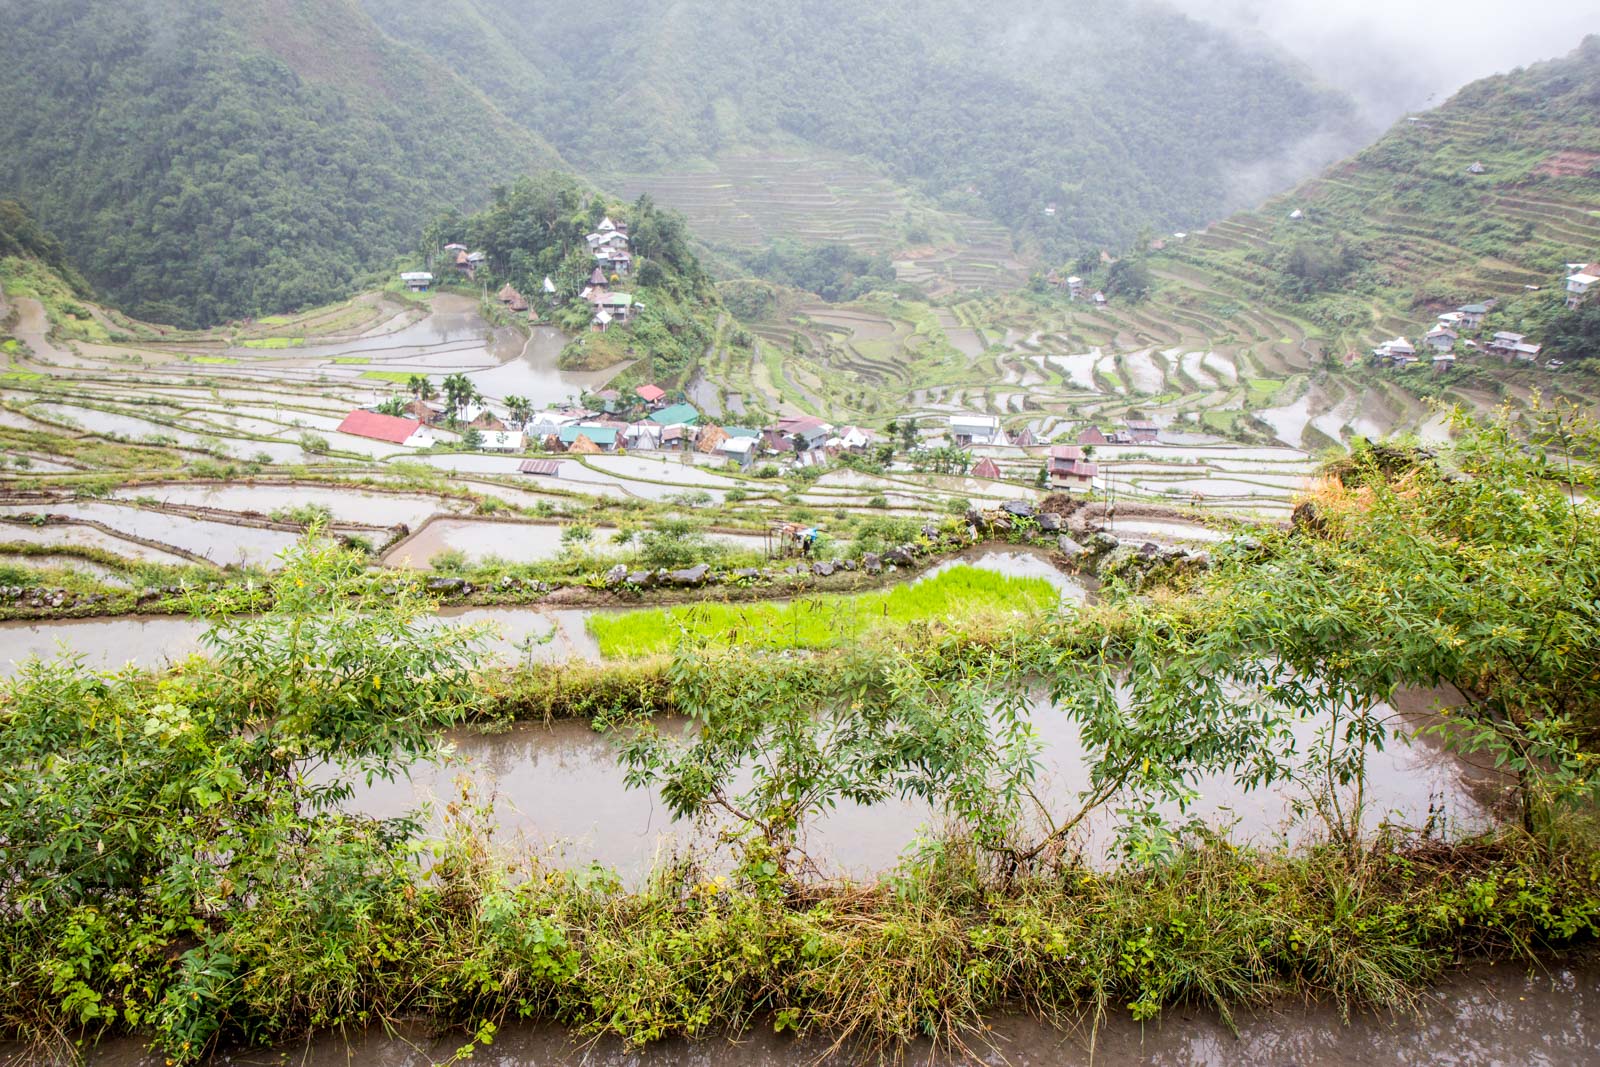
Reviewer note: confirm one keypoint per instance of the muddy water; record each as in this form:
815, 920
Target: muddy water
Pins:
516, 542
535, 373
220, 542
559, 790
87, 537
346, 505
159, 640
1165, 532
1542, 1014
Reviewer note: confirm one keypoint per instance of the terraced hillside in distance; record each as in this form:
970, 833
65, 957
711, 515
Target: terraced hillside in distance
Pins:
1048, 366
1485, 200
1260, 327
743, 201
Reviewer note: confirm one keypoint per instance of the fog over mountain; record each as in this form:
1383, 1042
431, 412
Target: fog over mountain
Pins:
1393, 56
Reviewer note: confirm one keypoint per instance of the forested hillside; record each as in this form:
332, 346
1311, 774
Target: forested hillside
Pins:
1486, 197
1124, 117
208, 160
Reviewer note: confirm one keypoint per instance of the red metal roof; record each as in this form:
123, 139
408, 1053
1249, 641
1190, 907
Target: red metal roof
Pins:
650, 393
1066, 452
378, 427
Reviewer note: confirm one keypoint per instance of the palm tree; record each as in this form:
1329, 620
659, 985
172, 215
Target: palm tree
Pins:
520, 408
458, 393
420, 387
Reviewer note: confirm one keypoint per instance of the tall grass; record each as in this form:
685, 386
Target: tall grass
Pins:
961, 592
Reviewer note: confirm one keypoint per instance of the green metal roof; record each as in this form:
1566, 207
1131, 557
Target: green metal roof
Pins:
677, 413
600, 435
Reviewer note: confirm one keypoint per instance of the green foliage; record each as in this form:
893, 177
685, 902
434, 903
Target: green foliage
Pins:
913, 88
213, 161
835, 272
150, 827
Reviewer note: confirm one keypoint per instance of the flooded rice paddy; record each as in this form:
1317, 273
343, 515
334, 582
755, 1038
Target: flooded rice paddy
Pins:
518, 542
220, 542
535, 775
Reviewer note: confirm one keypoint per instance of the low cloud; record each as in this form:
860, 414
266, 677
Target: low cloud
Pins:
1394, 56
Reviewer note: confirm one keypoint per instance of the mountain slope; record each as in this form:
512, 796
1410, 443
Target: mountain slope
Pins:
1125, 116
213, 160
1495, 190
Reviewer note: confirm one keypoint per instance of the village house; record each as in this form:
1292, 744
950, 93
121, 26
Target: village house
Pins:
653, 396
1441, 339
512, 299
1580, 283
1476, 168
391, 428
619, 306
1143, 432
1099, 299
807, 431
1068, 469
1093, 436
593, 438
741, 450
1443, 359
854, 439
1075, 287
418, 281
1515, 345
1472, 315
969, 430
986, 468
1398, 352
675, 415
503, 441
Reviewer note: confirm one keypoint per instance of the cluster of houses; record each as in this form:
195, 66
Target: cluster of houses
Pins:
1448, 337
646, 421
613, 260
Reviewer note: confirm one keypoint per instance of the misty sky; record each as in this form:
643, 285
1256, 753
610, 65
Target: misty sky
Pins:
1394, 55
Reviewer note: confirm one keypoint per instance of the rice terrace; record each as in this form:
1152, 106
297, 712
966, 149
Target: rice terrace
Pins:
786, 536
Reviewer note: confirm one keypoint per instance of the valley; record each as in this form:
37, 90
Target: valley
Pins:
810, 534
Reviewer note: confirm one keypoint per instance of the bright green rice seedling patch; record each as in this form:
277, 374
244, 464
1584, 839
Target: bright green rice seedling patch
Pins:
399, 377
821, 621
212, 360
351, 361
275, 342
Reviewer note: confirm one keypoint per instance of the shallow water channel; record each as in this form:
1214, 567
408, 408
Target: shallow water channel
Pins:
1545, 1014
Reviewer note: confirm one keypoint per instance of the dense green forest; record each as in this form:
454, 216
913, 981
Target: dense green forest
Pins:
20, 235
833, 271
208, 160
1125, 117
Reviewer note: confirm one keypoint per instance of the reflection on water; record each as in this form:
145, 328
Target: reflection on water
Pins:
1505, 1015
560, 790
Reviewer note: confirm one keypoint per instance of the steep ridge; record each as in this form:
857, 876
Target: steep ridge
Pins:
1122, 117
214, 160
1493, 192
